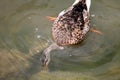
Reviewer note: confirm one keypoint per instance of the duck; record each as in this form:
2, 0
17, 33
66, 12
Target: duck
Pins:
70, 27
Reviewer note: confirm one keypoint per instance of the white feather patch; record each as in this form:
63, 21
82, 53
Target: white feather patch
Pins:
61, 13
88, 3
76, 1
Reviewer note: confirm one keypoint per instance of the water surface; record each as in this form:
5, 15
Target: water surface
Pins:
25, 33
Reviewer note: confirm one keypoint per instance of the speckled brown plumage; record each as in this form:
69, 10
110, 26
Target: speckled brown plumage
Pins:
71, 26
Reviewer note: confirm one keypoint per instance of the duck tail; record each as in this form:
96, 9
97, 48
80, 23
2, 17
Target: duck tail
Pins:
88, 4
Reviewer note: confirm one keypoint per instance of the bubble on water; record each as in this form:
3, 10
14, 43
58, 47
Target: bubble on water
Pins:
37, 51
38, 36
36, 29
70, 55
29, 18
49, 41
93, 15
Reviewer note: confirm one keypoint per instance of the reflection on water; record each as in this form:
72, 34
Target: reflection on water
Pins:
25, 33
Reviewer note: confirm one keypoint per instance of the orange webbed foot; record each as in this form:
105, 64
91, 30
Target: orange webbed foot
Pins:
50, 18
96, 31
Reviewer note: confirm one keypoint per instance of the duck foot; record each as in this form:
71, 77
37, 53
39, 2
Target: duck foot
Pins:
50, 18
96, 31
92, 29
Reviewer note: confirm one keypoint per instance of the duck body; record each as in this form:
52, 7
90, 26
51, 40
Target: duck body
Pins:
71, 25
69, 28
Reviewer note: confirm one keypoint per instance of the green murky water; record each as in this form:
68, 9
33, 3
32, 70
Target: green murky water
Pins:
25, 33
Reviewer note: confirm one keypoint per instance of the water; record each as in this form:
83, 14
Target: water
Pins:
25, 33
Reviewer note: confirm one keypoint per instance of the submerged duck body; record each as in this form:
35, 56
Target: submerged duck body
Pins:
71, 25
69, 28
